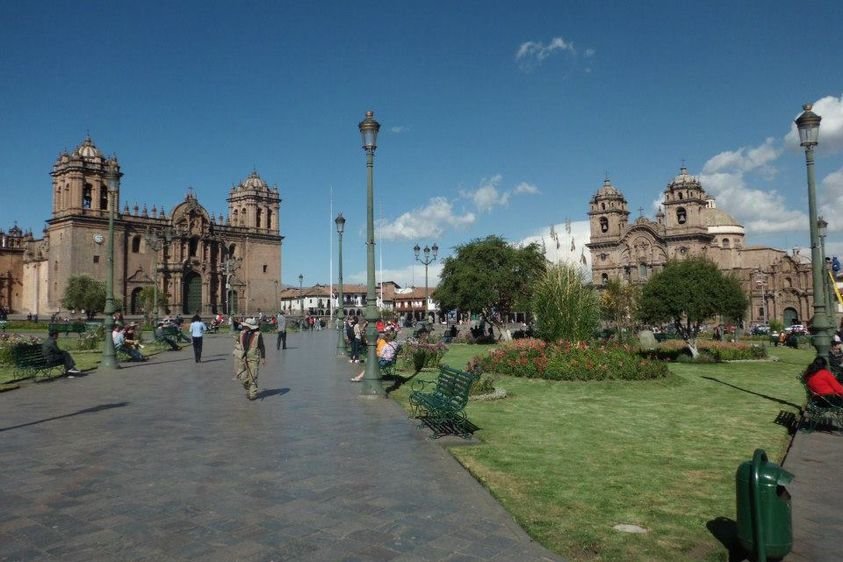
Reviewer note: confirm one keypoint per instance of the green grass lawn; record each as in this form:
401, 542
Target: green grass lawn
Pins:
571, 460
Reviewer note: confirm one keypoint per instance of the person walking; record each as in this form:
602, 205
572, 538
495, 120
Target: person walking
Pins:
252, 357
197, 330
52, 353
281, 327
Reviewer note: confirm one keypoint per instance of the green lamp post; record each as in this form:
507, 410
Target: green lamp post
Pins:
109, 357
808, 124
828, 288
427, 260
341, 349
371, 386
301, 295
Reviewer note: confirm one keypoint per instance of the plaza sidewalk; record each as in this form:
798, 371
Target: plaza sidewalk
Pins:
816, 460
167, 460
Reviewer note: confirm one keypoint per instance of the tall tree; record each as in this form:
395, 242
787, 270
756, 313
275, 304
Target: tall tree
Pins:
619, 305
491, 277
84, 293
688, 293
564, 306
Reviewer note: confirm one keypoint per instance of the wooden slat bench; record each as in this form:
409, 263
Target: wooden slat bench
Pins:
30, 362
442, 408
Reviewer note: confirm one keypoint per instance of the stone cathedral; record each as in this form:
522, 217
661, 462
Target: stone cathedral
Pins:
688, 223
203, 263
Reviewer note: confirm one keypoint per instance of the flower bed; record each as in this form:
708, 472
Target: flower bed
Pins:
533, 358
8, 341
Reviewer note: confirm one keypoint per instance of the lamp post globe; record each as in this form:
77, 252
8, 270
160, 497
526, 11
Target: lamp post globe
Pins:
808, 124
371, 386
426, 261
341, 345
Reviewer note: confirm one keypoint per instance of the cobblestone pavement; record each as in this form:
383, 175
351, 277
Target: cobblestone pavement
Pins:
816, 459
167, 460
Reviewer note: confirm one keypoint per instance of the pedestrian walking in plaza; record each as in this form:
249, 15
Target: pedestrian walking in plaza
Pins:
252, 357
52, 353
197, 330
281, 326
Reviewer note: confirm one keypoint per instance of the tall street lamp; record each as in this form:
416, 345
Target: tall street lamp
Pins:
341, 349
371, 386
229, 266
109, 357
828, 289
155, 242
427, 260
761, 283
301, 295
809, 129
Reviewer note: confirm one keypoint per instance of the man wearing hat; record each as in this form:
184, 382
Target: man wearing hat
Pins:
252, 356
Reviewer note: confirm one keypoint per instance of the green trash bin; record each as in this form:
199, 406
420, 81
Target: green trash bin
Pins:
763, 504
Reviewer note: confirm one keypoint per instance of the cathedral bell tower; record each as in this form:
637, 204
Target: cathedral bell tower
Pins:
79, 182
608, 213
684, 202
254, 205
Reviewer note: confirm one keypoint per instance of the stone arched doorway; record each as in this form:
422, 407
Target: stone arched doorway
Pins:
135, 304
192, 293
791, 316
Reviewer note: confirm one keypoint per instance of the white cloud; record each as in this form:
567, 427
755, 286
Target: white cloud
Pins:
531, 54
830, 109
831, 199
527, 188
399, 129
488, 195
558, 244
425, 222
725, 176
589, 52
746, 159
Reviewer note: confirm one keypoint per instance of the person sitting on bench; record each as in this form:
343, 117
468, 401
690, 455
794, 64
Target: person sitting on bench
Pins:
119, 337
822, 383
160, 336
52, 353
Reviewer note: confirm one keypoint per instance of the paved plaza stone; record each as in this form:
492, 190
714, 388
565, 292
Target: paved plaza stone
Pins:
167, 460
816, 459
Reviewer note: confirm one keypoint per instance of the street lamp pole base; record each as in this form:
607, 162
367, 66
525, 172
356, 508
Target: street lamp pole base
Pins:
372, 389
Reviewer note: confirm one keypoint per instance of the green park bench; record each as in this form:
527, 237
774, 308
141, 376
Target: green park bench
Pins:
442, 408
68, 328
819, 411
30, 362
267, 327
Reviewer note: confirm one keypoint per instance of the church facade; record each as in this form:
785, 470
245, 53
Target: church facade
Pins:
777, 283
202, 263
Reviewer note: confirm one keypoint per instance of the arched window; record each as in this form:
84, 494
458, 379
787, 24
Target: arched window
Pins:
604, 224
603, 206
726, 243
258, 217
681, 215
680, 195
788, 282
87, 196
235, 217
243, 217
604, 279
231, 251
136, 244
269, 218
103, 197
194, 245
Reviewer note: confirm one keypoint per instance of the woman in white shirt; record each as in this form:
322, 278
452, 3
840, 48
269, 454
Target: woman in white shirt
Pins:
197, 329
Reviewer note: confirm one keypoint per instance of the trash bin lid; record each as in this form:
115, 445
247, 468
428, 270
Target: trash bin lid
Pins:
774, 475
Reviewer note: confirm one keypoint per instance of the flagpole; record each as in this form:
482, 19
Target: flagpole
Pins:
331, 257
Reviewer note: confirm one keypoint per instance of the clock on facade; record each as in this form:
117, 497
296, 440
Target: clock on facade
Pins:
98, 238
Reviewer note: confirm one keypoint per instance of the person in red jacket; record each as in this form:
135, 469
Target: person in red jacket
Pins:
822, 382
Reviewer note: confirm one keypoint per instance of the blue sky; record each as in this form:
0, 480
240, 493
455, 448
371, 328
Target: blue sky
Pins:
497, 117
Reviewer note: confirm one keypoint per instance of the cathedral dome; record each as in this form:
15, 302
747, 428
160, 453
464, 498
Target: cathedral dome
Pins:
684, 180
88, 149
254, 182
607, 189
717, 217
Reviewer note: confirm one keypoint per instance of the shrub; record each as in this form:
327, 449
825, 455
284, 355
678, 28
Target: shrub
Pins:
420, 355
564, 306
486, 385
710, 351
8, 341
92, 339
532, 358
